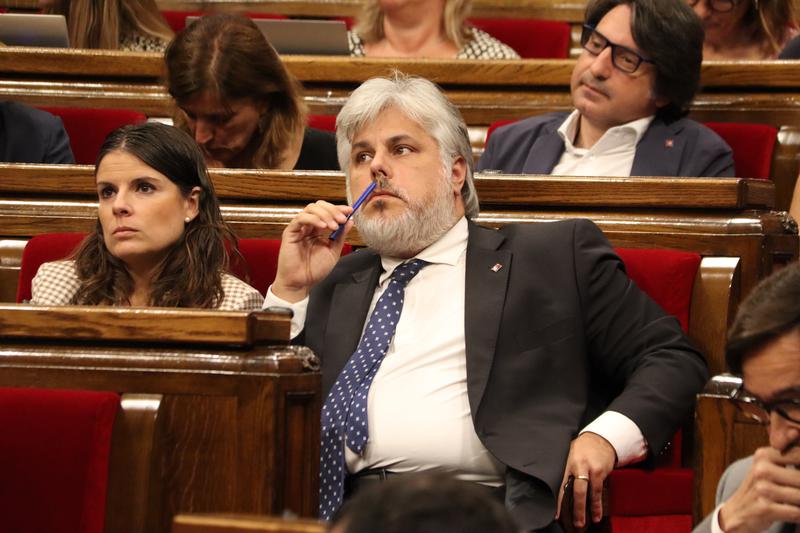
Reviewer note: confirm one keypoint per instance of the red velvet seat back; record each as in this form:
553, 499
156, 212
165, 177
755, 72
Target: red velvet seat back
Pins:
323, 122
260, 256
752, 145
54, 452
531, 38
88, 128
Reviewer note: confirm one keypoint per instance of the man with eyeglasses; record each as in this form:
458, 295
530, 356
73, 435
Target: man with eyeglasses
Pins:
631, 87
762, 492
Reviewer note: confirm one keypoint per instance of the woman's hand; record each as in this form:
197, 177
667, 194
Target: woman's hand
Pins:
307, 253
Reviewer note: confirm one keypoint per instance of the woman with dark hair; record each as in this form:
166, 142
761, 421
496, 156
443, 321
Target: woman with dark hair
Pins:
745, 29
159, 239
238, 100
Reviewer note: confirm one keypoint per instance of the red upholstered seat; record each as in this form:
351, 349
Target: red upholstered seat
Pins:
752, 145
323, 122
54, 453
659, 500
531, 38
260, 256
88, 128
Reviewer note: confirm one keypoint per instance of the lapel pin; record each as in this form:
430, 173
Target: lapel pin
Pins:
669, 143
496, 267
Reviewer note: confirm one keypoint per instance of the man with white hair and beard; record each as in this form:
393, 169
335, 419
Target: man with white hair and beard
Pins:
631, 88
513, 358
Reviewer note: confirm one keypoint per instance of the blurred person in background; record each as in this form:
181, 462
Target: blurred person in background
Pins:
235, 96
745, 29
422, 28
133, 25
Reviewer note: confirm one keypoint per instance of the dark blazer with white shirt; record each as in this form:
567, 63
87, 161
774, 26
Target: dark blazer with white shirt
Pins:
554, 337
679, 148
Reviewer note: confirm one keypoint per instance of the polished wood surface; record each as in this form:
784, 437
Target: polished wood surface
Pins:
485, 91
218, 427
231, 523
726, 217
179, 326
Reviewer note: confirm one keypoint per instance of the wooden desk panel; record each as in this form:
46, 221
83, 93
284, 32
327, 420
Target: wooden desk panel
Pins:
236, 428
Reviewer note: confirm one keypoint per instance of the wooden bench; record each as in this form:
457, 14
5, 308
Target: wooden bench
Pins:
722, 217
215, 417
763, 92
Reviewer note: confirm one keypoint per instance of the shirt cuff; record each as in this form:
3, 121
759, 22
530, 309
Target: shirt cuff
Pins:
715, 528
623, 434
298, 310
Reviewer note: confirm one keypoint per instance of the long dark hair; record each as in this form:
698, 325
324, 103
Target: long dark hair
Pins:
190, 274
229, 56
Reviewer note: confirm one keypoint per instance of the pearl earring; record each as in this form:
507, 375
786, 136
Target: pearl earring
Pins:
187, 220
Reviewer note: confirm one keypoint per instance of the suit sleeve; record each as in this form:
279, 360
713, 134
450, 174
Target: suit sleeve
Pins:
640, 352
57, 149
721, 166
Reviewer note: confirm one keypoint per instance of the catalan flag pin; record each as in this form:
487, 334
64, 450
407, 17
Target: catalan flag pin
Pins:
496, 267
669, 143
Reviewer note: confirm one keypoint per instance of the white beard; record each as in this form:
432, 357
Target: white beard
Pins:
421, 224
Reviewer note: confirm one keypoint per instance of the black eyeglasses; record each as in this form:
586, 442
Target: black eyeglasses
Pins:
760, 411
623, 58
720, 6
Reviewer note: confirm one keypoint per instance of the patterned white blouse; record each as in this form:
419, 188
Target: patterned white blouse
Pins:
57, 282
481, 46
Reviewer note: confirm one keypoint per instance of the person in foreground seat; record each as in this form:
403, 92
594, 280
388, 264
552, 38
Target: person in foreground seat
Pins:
631, 87
426, 502
514, 358
159, 239
761, 493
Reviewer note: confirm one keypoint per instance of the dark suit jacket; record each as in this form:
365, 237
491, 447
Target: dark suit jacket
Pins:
553, 338
731, 479
29, 135
680, 148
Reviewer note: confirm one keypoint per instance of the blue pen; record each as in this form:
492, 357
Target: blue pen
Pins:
367, 191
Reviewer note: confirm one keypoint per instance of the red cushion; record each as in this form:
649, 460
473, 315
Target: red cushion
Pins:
177, 19
260, 255
752, 145
54, 450
531, 38
88, 128
637, 492
323, 122
652, 524
667, 276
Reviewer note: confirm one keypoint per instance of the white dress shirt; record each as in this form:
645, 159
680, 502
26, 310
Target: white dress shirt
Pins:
611, 155
418, 407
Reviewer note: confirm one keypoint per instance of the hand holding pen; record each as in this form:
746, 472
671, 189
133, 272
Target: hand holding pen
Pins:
364, 196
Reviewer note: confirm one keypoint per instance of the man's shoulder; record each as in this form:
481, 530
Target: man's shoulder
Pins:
558, 235
733, 477
691, 129
530, 125
24, 116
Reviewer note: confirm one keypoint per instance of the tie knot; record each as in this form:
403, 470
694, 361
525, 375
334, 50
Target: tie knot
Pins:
405, 272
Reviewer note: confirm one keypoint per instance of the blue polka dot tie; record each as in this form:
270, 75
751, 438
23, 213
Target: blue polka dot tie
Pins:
344, 414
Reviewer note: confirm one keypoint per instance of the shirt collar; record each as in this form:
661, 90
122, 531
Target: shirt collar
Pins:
447, 250
632, 131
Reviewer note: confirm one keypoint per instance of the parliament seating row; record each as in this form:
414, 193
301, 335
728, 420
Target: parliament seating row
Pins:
485, 92
216, 414
697, 292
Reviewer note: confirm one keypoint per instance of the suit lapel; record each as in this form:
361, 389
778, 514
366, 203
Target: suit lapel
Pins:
347, 315
545, 153
486, 282
659, 151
